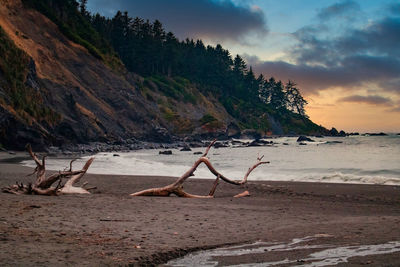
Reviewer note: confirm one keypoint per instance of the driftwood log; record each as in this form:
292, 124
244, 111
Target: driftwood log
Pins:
44, 185
177, 187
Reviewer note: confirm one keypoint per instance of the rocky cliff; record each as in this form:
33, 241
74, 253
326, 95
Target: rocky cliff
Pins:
85, 99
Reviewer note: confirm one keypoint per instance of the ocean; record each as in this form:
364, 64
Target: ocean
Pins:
353, 159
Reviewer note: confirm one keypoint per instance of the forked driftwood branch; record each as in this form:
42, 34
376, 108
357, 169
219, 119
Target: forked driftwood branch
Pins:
177, 187
44, 185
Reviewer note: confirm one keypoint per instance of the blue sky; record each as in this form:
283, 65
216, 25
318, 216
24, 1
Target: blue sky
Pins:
342, 54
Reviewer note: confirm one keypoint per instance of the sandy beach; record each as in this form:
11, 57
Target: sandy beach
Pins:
109, 227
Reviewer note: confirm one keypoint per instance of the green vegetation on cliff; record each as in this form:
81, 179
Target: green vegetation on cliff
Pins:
15, 96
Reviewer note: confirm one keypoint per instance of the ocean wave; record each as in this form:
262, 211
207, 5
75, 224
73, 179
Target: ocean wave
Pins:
127, 165
359, 179
364, 162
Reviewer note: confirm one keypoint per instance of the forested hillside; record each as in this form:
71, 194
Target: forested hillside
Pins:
150, 80
147, 49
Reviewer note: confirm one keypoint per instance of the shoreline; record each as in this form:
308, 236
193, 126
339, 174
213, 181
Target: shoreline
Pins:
117, 229
177, 143
18, 157
290, 161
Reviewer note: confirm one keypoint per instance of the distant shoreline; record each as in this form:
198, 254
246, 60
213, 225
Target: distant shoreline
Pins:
120, 146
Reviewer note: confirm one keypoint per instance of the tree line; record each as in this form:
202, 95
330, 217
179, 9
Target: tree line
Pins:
147, 49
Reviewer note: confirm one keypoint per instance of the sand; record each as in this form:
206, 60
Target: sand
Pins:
109, 227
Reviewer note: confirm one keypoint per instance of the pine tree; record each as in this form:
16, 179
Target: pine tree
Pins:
296, 102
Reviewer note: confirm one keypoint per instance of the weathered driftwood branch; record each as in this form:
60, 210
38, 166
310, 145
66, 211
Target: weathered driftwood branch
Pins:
43, 184
177, 187
243, 194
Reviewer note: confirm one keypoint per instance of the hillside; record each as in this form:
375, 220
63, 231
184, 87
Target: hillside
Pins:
55, 91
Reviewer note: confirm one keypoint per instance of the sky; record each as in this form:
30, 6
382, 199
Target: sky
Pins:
343, 55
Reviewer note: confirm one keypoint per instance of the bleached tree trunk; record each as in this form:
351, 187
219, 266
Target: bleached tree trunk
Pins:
44, 185
177, 187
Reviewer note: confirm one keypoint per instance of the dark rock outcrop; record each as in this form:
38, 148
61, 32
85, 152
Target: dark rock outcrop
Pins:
165, 152
377, 134
159, 135
303, 138
333, 142
351, 134
334, 132
275, 125
15, 134
260, 142
186, 147
233, 131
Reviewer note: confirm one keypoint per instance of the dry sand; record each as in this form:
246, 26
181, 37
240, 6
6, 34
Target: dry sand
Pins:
111, 228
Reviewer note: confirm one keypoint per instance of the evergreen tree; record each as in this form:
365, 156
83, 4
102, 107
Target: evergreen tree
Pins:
296, 102
83, 9
239, 66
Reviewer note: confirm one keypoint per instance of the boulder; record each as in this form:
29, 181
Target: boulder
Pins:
333, 142
377, 134
186, 148
351, 134
233, 131
165, 152
303, 138
260, 142
159, 135
334, 132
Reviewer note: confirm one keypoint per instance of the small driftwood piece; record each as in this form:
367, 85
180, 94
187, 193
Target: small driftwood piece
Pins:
44, 185
177, 187
243, 194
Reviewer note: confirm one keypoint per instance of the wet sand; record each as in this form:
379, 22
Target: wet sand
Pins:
109, 227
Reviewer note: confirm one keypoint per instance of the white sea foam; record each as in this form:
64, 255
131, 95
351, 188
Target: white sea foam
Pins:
327, 255
360, 160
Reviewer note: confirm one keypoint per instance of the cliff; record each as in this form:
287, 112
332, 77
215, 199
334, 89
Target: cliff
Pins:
89, 100
53, 91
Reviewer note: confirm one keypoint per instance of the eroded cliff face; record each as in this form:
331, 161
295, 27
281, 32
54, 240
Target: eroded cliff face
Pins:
91, 101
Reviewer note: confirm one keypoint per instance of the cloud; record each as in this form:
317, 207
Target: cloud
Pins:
311, 79
366, 55
381, 37
209, 19
394, 8
372, 99
392, 85
353, 72
345, 9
